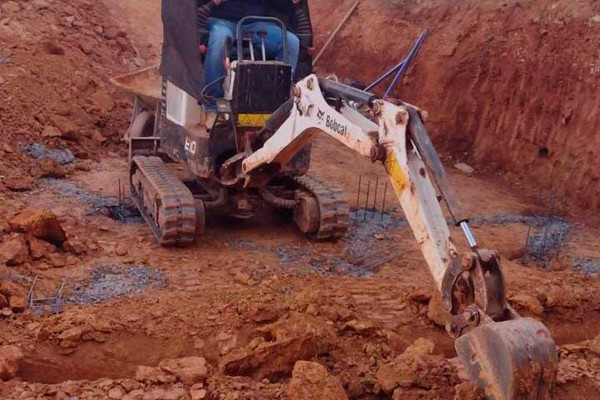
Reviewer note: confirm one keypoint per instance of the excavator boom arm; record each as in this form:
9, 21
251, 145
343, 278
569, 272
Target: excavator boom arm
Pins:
508, 356
386, 141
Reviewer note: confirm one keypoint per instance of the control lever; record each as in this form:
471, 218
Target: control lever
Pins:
263, 34
228, 50
249, 36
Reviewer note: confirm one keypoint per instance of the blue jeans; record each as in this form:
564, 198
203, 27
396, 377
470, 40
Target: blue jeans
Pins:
214, 62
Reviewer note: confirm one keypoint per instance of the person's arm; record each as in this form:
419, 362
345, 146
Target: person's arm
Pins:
204, 11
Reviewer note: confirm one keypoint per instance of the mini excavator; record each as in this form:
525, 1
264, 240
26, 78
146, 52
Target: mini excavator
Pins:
258, 152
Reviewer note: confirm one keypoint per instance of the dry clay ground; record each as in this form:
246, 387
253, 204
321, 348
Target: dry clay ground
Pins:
229, 317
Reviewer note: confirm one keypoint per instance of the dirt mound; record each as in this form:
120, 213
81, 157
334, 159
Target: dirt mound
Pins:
55, 60
508, 85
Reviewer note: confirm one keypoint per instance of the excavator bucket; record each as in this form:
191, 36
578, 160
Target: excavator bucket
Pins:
511, 360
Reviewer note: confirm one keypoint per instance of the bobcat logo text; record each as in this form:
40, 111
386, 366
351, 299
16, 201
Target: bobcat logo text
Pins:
336, 126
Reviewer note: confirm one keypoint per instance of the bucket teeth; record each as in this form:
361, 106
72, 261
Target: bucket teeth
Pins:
511, 360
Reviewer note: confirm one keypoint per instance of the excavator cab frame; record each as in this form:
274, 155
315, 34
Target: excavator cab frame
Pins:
254, 88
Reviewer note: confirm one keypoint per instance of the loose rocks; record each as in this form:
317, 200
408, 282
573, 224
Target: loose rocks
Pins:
311, 380
41, 223
436, 311
40, 248
190, 370
10, 359
19, 183
51, 132
52, 168
3, 301
416, 367
148, 374
299, 337
528, 303
14, 251
464, 168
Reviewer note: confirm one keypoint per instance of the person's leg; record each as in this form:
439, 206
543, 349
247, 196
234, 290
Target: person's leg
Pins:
214, 61
274, 43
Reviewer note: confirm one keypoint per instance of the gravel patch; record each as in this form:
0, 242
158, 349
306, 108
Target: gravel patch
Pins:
587, 265
116, 280
39, 151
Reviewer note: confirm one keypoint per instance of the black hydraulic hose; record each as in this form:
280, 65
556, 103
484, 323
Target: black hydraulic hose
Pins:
278, 117
276, 201
203, 96
220, 201
336, 89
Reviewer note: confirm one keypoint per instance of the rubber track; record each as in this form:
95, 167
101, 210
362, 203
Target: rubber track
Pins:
333, 207
176, 225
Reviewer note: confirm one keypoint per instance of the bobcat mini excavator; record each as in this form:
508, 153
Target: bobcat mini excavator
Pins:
258, 152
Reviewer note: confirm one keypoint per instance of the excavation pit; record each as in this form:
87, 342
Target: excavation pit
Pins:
117, 358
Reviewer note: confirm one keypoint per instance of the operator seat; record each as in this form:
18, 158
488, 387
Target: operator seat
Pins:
299, 23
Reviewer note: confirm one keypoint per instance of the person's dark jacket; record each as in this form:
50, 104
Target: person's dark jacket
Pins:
234, 10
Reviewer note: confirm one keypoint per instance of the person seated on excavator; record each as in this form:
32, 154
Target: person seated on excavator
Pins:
222, 25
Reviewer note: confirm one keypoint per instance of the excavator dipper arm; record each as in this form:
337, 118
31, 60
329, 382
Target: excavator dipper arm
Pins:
508, 356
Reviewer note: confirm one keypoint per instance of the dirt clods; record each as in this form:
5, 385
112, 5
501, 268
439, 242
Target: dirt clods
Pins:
116, 393
40, 248
416, 367
312, 381
10, 359
527, 303
19, 183
41, 223
15, 295
468, 391
580, 360
51, 132
51, 168
299, 337
437, 312
198, 392
465, 168
152, 375
17, 304
13, 250
189, 371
